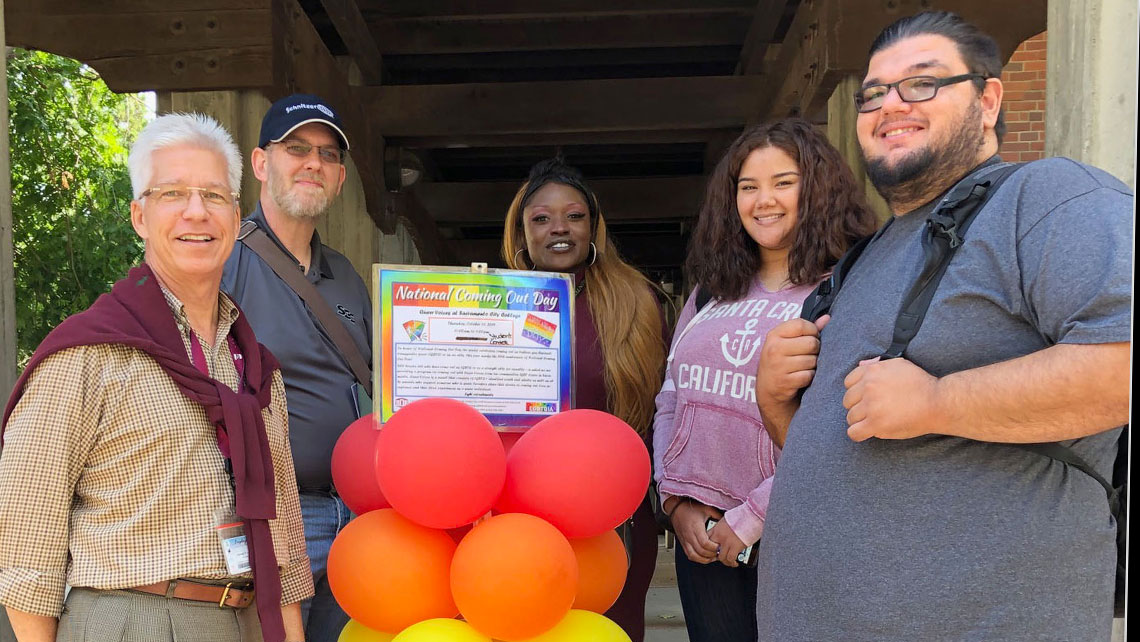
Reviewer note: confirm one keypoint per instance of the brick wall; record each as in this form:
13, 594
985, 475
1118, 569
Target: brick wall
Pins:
1024, 102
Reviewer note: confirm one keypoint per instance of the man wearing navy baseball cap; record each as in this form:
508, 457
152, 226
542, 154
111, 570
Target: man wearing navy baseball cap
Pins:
300, 162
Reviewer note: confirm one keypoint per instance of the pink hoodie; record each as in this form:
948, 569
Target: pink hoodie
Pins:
708, 440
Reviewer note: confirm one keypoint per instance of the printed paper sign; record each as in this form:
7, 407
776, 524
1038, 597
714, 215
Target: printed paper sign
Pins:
501, 341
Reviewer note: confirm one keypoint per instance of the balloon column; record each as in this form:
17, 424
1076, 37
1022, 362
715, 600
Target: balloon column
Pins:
537, 558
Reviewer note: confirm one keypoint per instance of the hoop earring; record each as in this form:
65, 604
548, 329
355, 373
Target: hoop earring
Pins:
594, 257
521, 250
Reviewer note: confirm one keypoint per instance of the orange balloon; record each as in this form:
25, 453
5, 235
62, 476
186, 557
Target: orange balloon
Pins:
514, 576
388, 572
602, 567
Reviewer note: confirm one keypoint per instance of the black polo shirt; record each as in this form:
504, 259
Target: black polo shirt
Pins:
317, 379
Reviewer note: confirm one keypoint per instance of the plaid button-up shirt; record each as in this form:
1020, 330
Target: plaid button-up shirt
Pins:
111, 478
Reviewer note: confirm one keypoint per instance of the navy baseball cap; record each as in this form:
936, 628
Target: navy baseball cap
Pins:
291, 112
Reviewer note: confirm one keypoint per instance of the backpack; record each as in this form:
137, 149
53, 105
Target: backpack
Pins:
703, 298
945, 227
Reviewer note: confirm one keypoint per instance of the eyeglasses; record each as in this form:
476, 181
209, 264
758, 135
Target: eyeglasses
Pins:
180, 195
331, 154
915, 89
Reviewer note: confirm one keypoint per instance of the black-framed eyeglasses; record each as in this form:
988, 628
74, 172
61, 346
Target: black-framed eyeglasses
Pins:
331, 154
915, 89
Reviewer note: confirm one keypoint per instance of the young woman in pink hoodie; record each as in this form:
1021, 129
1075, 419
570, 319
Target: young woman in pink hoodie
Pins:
780, 208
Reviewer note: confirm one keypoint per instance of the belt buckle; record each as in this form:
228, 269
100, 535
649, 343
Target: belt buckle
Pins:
225, 594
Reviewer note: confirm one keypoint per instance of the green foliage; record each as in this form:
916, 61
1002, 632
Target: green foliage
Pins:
72, 233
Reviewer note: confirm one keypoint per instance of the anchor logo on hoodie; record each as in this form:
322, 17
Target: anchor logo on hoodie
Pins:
742, 343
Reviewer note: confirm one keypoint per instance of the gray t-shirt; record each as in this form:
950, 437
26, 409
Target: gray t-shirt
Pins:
318, 380
943, 538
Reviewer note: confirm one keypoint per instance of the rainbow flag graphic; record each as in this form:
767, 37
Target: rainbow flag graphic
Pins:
539, 330
415, 330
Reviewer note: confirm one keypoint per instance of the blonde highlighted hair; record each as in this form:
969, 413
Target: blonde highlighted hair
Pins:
624, 309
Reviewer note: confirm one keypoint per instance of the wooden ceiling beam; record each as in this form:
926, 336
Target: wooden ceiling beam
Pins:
302, 63
568, 59
135, 46
829, 39
475, 34
621, 199
555, 139
69, 7
346, 17
765, 20
625, 105
458, 8
645, 251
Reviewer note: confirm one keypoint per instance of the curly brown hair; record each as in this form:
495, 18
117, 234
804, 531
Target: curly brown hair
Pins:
833, 212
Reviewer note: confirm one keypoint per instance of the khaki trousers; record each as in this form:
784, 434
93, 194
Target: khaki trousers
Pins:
125, 616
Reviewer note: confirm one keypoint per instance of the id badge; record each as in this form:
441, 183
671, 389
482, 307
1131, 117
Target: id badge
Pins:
231, 537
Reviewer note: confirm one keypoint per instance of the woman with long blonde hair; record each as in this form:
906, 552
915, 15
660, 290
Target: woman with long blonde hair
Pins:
554, 224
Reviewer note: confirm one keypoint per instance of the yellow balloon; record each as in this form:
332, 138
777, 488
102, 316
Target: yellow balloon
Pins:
440, 630
579, 626
356, 632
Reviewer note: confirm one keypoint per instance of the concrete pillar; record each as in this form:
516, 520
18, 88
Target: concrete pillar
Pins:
841, 117
1090, 94
346, 227
1091, 84
7, 269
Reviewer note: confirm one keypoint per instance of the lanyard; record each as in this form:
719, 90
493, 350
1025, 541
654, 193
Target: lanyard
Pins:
198, 358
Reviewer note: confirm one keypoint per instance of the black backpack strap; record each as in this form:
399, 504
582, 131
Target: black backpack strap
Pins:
1066, 455
945, 228
703, 298
819, 302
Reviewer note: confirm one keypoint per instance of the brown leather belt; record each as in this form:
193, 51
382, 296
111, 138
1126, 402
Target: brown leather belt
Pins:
225, 595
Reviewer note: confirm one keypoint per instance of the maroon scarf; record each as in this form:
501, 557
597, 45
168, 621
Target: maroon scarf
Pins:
135, 314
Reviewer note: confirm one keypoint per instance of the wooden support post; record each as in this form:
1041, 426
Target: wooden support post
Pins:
7, 256
841, 132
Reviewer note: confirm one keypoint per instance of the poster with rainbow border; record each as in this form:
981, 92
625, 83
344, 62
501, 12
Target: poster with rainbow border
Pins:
499, 340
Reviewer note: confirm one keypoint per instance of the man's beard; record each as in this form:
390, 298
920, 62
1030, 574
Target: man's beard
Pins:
925, 173
294, 203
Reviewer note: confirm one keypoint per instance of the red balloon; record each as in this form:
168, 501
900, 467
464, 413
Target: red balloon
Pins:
388, 572
440, 463
354, 466
509, 440
584, 471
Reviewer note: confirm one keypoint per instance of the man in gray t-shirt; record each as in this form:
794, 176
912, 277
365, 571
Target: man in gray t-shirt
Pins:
300, 163
899, 510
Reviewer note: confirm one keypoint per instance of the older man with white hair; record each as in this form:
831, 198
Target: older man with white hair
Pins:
146, 459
